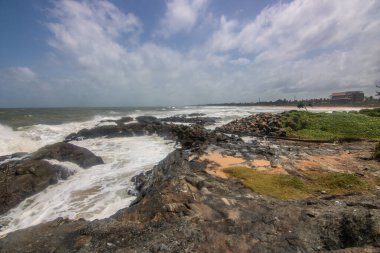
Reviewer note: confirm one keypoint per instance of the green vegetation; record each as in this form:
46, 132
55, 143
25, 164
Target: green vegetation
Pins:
288, 187
279, 186
331, 126
339, 183
371, 112
377, 151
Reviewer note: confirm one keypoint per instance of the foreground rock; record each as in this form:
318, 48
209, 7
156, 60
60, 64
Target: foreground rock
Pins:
30, 174
67, 152
21, 179
181, 208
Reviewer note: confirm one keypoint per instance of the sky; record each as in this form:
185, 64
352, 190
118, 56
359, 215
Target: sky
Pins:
185, 52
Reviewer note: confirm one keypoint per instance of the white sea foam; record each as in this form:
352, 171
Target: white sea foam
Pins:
93, 193
15, 141
30, 138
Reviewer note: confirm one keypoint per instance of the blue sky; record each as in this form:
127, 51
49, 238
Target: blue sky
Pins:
178, 52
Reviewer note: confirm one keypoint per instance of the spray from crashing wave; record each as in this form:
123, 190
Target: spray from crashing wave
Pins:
94, 193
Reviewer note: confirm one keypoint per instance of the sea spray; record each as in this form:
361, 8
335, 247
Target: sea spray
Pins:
94, 193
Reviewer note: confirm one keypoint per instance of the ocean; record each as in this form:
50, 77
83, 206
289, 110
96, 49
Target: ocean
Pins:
102, 190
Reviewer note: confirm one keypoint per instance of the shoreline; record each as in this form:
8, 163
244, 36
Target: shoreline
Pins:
188, 195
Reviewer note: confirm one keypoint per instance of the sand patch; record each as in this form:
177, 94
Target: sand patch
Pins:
223, 161
260, 163
337, 163
219, 162
218, 172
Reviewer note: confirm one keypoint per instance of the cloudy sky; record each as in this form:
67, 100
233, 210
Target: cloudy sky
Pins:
179, 52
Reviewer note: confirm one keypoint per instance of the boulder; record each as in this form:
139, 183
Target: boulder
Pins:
192, 120
148, 120
67, 152
21, 179
120, 122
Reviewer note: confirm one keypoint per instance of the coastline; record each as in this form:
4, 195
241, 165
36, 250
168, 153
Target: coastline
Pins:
188, 195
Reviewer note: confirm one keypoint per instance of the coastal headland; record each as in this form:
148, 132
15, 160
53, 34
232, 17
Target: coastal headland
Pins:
288, 182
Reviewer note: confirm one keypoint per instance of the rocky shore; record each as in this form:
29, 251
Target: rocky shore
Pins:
31, 173
262, 124
182, 205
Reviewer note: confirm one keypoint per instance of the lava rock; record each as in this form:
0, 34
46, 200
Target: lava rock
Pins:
21, 179
148, 120
63, 152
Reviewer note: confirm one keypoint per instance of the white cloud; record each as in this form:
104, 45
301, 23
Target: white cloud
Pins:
181, 16
303, 48
287, 31
240, 61
89, 31
306, 47
18, 75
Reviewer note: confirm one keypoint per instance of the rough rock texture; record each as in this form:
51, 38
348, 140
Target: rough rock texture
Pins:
261, 124
126, 130
190, 137
191, 118
119, 122
181, 208
30, 174
148, 120
21, 179
67, 152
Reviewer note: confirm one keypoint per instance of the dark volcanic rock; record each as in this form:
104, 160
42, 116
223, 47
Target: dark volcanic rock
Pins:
21, 179
15, 155
189, 137
148, 120
146, 125
181, 208
262, 124
196, 114
120, 122
192, 120
63, 152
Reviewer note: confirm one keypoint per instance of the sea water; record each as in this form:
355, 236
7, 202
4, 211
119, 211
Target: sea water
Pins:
102, 190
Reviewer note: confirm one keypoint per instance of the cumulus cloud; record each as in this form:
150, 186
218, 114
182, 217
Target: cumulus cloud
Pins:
89, 31
291, 30
181, 16
303, 48
21, 75
108, 71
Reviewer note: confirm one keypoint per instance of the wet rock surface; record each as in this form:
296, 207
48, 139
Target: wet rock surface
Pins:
30, 173
67, 152
21, 179
190, 137
194, 118
180, 207
120, 121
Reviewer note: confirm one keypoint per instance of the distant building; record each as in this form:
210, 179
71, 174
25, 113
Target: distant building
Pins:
347, 97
